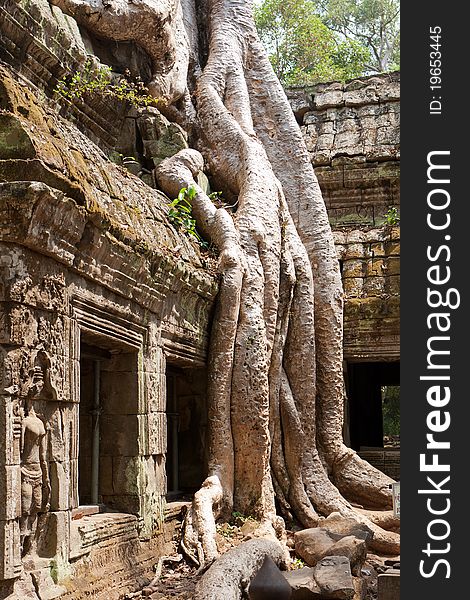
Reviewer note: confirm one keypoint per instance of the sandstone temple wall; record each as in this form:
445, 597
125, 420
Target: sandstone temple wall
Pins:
97, 288
353, 136
352, 132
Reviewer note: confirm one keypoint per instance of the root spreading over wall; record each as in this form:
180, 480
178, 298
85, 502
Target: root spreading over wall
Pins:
275, 385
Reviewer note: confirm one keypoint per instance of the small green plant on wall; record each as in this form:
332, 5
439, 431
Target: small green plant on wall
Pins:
180, 215
94, 80
391, 216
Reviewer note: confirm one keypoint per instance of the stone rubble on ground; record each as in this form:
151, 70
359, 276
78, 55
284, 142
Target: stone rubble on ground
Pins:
340, 537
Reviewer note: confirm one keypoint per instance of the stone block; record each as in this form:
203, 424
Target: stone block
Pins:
10, 425
303, 584
356, 236
375, 267
368, 110
369, 136
328, 99
160, 472
155, 388
23, 326
356, 250
353, 287
124, 362
127, 475
311, 118
311, 138
21, 589
125, 503
346, 125
360, 97
4, 313
388, 585
388, 136
377, 249
321, 157
353, 548
392, 285
311, 544
316, 543
120, 392
59, 474
327, 127
339, 237
120, 435
393, 266
56, 535
10, 558
353, 268
57, 444
269, 583
106, 475
336, 523
45, 586
333, 576
392, 248
10, 493
350, 140
157, 433
374, 286
325, 142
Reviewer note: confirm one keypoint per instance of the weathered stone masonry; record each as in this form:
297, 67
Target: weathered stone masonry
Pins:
352, 132
97, 289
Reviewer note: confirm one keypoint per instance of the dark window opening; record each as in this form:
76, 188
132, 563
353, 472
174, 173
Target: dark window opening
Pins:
108, 425
373, 404
186, 461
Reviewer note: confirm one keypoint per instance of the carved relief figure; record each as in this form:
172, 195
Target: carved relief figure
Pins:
35, 484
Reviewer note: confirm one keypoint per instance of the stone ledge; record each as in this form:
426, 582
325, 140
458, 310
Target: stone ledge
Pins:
101, 530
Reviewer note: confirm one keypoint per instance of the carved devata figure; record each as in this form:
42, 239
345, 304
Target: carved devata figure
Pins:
35, 483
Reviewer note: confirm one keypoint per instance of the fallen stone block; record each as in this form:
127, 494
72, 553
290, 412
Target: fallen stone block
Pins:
388, 585
353, 548
315, 543
333, 576
336, 523
303, 584
312, 544
45, 586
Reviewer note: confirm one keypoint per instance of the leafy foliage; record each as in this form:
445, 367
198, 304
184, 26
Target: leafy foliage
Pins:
302, 49
99, 80
391, 216
373, 23
297, 563
391, 410
180, 214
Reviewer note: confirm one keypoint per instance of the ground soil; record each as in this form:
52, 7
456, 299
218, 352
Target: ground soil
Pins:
178, 578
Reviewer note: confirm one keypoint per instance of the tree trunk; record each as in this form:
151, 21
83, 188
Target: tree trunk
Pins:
275, 386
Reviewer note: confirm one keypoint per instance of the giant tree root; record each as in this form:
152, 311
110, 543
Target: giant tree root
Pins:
275, 379
230, 575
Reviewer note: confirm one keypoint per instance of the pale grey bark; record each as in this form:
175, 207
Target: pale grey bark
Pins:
233, 571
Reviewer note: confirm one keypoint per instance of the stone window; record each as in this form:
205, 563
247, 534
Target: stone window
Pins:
108, 425
187, 424
367, 382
